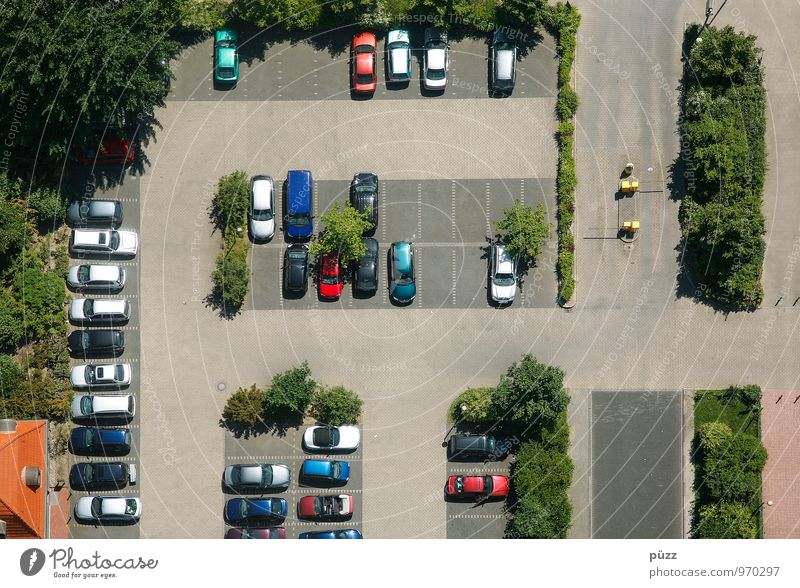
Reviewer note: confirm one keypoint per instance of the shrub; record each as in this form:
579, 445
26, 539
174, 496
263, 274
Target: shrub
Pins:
567, 102
749, 395
290, 393
336, 406
11, 376
726, 520
538, 518
714, 435
50, 206
41, 396
244, 407
203, 15
13, 226
231, 277
732, 471
478, 403
301, 15
230, 203
42, 296
524, 231
542, 471
12, 329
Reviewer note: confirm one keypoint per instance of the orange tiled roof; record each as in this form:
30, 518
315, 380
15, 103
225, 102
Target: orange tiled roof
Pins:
23, 508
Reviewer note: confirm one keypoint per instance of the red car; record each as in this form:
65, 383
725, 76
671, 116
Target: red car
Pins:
111, 150
272, 533
365, 77
327, 508
330, 276
477, 486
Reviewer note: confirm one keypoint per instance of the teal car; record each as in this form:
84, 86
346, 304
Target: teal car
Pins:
402, 285
226, 57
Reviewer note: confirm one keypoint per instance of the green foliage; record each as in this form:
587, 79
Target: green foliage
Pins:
343, 233
540, 518
12, 328
478, 406
517, 13
725, 57
541, 471
714, 436
244, 407
41, 396
336, 406
11, 376
41, 296
203, 15
727, 520
290, 393
50, 206
524, 231
231, 277
230, 204
567, 103
749, 395
13, 226
732, 471
301, 15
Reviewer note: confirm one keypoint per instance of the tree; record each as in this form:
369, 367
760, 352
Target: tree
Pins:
203, 15
41, 295
472, 406
732, 471
301, 15
49, 205
726, 57
41, 396
244, 407
343, 233
531, 395
542, 471
12, 329
230, 203
524, 231
13, 227
11, 376
231, 277
538, 518
726, 520
714, 435
290, 393
336, 406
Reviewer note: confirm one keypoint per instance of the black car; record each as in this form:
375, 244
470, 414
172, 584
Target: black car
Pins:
295, 269
94, 441
503, 61
366, 274
364, 196
101, 474
471, 447
83, 343
95, 213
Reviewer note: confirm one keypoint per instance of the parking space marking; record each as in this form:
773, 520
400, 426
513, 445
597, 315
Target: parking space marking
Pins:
419, 212
488, 209
453, 210
455, 276
522, 191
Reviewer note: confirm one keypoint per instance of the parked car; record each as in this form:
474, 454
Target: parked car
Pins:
107, 375
107, 343
435, 60
94, 311
256, 478
477, 487
398, 56
106, 406
110, 150
96, 277
330, 277
364, 196
326, 508
322, 438
244, 533
333, 534
364, 63
402, 285
88, 476
473, 447
366, 273
111, 243
99, 441
255, 511
295, 269
226, 57
108, 509
88, 212
503, 275
262, 208
300, 201
325, 471
503, 63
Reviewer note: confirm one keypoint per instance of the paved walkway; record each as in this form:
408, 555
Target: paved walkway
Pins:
780, 432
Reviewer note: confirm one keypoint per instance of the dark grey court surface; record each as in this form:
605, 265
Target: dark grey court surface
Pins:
286, 448
636, 464
319, 68
449, 222
124, 187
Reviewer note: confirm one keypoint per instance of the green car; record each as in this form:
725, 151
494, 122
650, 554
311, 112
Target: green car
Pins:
402, 286
226, 57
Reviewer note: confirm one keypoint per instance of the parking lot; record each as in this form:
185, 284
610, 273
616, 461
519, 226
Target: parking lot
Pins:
124, 187
286, 448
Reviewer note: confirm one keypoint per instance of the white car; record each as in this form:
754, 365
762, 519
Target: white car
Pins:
436, 60
119, 406
122, 243
257, 476
398, 55
262, 208
99, 310
503, 275
101, 509
96, 277
323, 438
112, 375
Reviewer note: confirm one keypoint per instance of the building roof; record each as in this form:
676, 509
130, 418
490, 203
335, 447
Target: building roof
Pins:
23, 507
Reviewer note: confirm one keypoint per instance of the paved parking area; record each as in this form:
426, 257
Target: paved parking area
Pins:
637, 464
286, 448
288, 70
449, 222
780, 414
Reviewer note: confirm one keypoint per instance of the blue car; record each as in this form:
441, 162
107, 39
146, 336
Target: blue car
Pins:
249, 511
325, 471
299, 203
402, 283
94, 441
337, 534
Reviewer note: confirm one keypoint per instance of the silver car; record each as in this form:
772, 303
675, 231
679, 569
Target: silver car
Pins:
436, 59
96, 277
257, 477
262, 208
503, 275
109, 375
108, 406
90, 311
100, 509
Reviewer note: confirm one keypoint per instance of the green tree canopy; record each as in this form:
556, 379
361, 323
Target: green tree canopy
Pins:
230, 203
41, 295
732, 471
727, 520
290, 393
13, 227
524, 231
244, 407
11, 376
343, 233
301, 15
336, 406
539, 518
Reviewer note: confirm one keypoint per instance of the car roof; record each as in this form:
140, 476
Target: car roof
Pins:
99, 207
299, 197
261, 192
320, 467
402, 255
505, 64
85, 237
109, 304
399, 61
104, 272
103, 337
398, 35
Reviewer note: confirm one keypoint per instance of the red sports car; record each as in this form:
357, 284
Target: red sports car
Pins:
330, 276
329, 507
477, 486
111, 150
365, 77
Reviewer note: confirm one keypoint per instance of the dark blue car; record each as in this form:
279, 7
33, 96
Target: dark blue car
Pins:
250, 511
101, 474
299, 202
325, 471
337, 534
95, 441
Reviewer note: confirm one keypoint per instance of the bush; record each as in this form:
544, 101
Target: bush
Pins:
244, 407
230, 204
749, 395
301, 15
12, 329
524, 231
231, 277
542, 471
478, 402
42, 296
203, 15
727, 520
290, 393
13, 226
567, 102
336, 406
11, 376
732, 471
50, 207
714, 435
40, 397
538, 518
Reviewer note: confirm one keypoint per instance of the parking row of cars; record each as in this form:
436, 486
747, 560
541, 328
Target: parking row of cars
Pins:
476, 487
255, 516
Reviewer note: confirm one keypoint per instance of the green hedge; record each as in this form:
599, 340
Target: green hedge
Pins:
336, 406
231, 276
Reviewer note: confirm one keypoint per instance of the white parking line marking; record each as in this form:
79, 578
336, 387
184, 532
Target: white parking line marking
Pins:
488, 209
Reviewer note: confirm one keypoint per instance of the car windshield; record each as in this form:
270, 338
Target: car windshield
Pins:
86, 404
365, 189
504, 279
364, 78
87, 472
96, 507
297, 255
243, 508
364, 49
226, 72
405, 280
130, 506
262, 215
329, 279
317, 504
83, 273
488, 484
119, 372
435, 74
89, 437
504, 47
299, 220
90, 373
266, 476
114, 240
226, 43
336, 469
459, 484
88, 307
85, 339
397, 45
